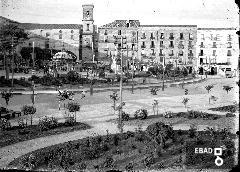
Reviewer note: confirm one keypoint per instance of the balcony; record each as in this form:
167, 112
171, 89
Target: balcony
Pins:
171, 55
171, 37
190, 38
161, 37
202, 46
190, 46
152, 46
161, 54
229, 54
181, 38
143, 37
171, 46
105, 33
153, 54
214, 46
190, 54
162, 46
229, 46
180, 46
152, 37
201, 54
143, 46
229, 39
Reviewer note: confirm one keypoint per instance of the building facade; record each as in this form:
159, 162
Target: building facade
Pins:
80, 39
217, 47
162, 44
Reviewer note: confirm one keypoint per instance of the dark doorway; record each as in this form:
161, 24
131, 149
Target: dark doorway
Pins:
201, 71
201, 60
212, 71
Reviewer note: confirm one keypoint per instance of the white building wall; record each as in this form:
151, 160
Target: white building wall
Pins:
224, 43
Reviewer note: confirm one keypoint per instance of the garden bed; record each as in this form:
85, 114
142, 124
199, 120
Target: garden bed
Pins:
17, 134
128, 151
228, 108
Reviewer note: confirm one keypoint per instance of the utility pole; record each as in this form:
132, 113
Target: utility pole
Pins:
33, 57
163, 72
132, 69
120, 115
12, 62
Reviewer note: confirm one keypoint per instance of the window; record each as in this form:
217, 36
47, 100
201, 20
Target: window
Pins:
119, 32
47, 34
161, 52
87, 27
105, 32
214, 53
153, 53
162, 36
229, 45
133, 33
229, 37
171, 43
214, 45
161, 59
87, 13
152, 44
171, 36
181, 35
190, 52
29, 44
201, 53
190, 36
72, 34
143, 45
105, 39
217, 38
228, 61
229, 53
181, 53
171, 53
143, 36
202, 46
127, 24
161, 43
151, 36
202, 37
60, 34
47, 45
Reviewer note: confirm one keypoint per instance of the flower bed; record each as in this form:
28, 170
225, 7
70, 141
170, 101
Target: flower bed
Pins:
128, 151
228, 108
17, 134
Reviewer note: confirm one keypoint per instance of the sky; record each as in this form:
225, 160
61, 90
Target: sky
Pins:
204, 13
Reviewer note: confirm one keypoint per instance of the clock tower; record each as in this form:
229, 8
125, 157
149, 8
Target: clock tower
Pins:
87, 33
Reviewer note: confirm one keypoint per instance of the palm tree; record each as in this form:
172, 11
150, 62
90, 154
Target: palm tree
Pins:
227, 88
119, 109
155, 106
115, 98
185, 101
7, 94
208, 88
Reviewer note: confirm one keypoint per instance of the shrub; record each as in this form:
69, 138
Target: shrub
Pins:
21, 123
82, 166
154, 90
23, 131
108, 162
125, 116
47, 123
192, 131
36, 79
27, 110
141, 114
4, 124
168, 114
70, 121
72, 76
129, 167
230, 115
148, 160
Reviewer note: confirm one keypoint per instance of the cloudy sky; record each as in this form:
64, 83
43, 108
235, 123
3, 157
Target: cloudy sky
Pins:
204, 13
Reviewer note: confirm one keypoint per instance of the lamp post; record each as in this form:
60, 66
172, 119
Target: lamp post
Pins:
132, 70
120, 115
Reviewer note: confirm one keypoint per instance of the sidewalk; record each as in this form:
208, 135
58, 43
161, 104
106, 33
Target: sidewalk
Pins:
111, 88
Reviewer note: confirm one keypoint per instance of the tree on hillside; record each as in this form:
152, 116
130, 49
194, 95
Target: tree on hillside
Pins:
11, 35
28, 110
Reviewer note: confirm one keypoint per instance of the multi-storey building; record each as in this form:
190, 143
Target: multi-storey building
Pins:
80, 39
174, 44
216, 48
